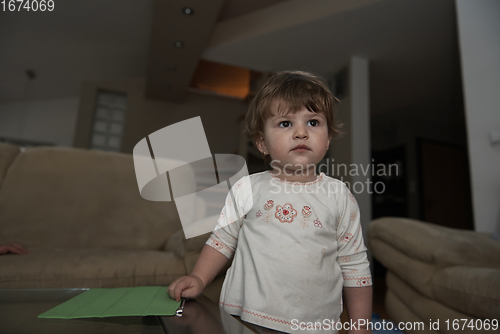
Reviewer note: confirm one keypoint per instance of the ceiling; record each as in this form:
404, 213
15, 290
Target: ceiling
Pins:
411, 44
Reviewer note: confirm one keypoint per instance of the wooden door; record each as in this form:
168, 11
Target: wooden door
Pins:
445, 197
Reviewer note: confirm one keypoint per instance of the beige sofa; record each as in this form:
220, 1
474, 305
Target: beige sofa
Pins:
437, 273
80, 214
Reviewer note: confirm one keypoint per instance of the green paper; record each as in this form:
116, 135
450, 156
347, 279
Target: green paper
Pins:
118, 302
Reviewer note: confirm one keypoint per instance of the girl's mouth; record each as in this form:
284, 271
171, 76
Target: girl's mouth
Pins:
301, 148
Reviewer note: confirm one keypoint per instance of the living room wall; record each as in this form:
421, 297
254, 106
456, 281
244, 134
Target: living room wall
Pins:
219, 115
61, 122
479, 37
47, 121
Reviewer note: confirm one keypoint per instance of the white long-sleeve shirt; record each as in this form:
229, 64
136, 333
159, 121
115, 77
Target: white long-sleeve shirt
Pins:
294, 249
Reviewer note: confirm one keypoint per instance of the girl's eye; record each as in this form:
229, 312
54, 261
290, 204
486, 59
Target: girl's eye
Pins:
285, 124
313, 122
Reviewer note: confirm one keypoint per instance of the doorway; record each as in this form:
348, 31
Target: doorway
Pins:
445, 195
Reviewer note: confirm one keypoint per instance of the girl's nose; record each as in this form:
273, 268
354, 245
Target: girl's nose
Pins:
301, 132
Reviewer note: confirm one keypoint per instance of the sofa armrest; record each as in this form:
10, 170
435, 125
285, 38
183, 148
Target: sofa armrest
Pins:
436, 244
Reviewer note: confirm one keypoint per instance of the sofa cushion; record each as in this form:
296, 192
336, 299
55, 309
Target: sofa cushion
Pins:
471, 290
181, 246
434, 244
423, 307
401, 313
416, 273
189, 250
7, 154
89, 268
178, 243
66, 197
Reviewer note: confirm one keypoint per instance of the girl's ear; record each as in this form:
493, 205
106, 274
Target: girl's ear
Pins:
261, 144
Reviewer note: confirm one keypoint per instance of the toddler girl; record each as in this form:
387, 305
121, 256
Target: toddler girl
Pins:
298, 245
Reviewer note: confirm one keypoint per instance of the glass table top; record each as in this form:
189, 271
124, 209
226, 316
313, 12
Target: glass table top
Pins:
19, 309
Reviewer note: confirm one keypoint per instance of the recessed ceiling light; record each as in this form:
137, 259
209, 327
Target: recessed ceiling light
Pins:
187, 11
179, 44
31, 74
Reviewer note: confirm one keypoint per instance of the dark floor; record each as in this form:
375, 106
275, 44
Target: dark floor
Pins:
379, 289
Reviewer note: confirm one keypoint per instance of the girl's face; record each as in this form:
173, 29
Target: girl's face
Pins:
296, 142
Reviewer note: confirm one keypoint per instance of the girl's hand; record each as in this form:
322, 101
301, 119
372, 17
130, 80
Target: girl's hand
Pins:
13, 248
186, 286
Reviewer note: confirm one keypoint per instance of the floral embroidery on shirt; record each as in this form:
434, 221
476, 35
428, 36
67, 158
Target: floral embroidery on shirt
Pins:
261, 316
354, 214
363, 281
268, 205
347, 237
258, 214
306, 213
317, 223
219, 245
285, 213
352, 198
229, 217
345, 259
348, 272
216, 244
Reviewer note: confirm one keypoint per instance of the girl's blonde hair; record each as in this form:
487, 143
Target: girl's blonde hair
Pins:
292, 90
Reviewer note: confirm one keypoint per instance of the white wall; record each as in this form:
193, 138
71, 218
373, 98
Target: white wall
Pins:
354, 149
48, 121
479, 40
359, 80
